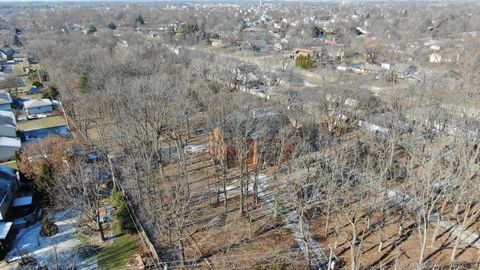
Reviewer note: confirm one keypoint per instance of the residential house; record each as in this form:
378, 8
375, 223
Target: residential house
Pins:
281, 45
224, 152
259, 144
8, 124
8, 148
405, 69
219, 43
333, 52
257, 45
245, 77
361, 32
311, 53
384, 123
442, 120
5, 101
367, 68
435, 58
179, 51
7, 54
36, 106
9, 184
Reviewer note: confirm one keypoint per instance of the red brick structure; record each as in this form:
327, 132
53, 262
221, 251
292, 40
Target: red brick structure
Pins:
222, 151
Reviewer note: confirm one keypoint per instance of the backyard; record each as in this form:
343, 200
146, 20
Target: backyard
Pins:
43, 123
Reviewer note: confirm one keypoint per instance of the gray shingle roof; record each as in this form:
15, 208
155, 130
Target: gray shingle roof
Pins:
5, 98
37, 103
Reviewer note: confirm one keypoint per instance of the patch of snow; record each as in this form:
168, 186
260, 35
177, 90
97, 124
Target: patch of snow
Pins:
65, 242
196, 148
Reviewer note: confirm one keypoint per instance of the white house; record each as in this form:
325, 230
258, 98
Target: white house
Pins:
257, 45
7, 54
435, 58
8, 188
36, 106
5, 101
8, 124
8, 148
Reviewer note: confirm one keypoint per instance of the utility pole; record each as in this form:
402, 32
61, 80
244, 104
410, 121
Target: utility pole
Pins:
109, 157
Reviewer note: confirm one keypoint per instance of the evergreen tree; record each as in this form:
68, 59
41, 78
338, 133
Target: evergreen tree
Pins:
112, 26
43, 181
316, 32
16, 40
83, 80
140, 20
48, 227
121, 212
91, 29
304, 62
51, 93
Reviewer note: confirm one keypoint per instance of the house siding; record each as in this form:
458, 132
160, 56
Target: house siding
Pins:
6, 107
42, 109
7, 200
7, 153
8, 131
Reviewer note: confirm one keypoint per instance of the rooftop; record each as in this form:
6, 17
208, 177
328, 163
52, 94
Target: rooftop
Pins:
7, 177
37, 103
10, 142
4, 229
48, 122
22, 201
7, 118
5, 98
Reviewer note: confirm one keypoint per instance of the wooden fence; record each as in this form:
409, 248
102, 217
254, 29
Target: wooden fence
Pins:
156, 262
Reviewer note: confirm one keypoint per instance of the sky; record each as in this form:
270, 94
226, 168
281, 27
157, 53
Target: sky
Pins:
12, 1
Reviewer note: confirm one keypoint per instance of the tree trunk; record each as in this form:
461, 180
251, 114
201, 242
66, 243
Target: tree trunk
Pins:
225, 198
255, 187
437, 227
424, 242
353, 243
100, 227
327, 222
241, 196
181, 251
305, 240
459, 236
